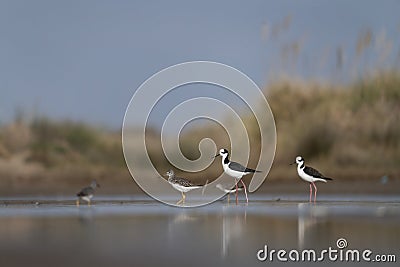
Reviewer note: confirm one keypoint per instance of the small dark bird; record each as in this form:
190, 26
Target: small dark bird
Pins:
87, 193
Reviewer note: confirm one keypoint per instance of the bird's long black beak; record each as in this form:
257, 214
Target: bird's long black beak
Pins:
216, 156
292, 163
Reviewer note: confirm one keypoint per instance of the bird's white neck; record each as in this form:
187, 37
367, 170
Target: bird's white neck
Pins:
300, 166
225, 159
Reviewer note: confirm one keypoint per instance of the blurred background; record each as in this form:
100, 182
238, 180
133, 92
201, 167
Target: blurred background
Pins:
330, 72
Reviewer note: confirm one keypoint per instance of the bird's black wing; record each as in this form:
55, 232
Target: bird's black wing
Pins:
313, 172
238, 167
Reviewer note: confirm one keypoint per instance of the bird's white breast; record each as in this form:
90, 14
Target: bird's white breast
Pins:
306, 177
231, 172
87, 198
183, 189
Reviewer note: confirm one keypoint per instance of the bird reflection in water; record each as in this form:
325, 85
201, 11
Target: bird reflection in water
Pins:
310, 220
233, 225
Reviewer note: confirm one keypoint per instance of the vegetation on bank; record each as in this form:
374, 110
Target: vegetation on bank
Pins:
348, 131
352, 131
47, 153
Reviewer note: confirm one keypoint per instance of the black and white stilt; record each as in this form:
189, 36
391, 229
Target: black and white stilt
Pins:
235, 170
310, 175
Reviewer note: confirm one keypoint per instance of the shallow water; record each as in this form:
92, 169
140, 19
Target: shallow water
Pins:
134, 231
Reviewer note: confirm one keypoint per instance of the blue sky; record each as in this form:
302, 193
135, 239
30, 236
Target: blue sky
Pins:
83, 60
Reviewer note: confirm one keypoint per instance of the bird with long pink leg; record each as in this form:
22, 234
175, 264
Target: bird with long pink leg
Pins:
310, 175
235, 170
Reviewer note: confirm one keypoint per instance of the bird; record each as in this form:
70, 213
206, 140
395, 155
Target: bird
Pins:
310, 175
183, 185
234, 170
229, 189
87, 193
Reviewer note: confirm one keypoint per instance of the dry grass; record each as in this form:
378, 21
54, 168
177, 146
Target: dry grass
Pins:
348, 132
355, 127
46, 154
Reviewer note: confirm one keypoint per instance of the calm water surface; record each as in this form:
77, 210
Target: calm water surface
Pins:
127, 231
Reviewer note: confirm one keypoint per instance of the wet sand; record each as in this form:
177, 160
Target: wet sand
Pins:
138, 231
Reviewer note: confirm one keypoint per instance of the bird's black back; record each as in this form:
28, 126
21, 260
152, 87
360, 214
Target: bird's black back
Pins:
313, 172
238, 167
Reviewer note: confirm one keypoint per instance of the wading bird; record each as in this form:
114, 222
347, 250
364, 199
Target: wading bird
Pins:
183, 185
87, 193
234, 170
310, 175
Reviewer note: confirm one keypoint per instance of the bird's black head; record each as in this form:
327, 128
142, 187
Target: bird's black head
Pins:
299, 160
222, 152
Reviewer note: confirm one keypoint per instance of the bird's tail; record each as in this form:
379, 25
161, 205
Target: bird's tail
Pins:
325, 179
251, 170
